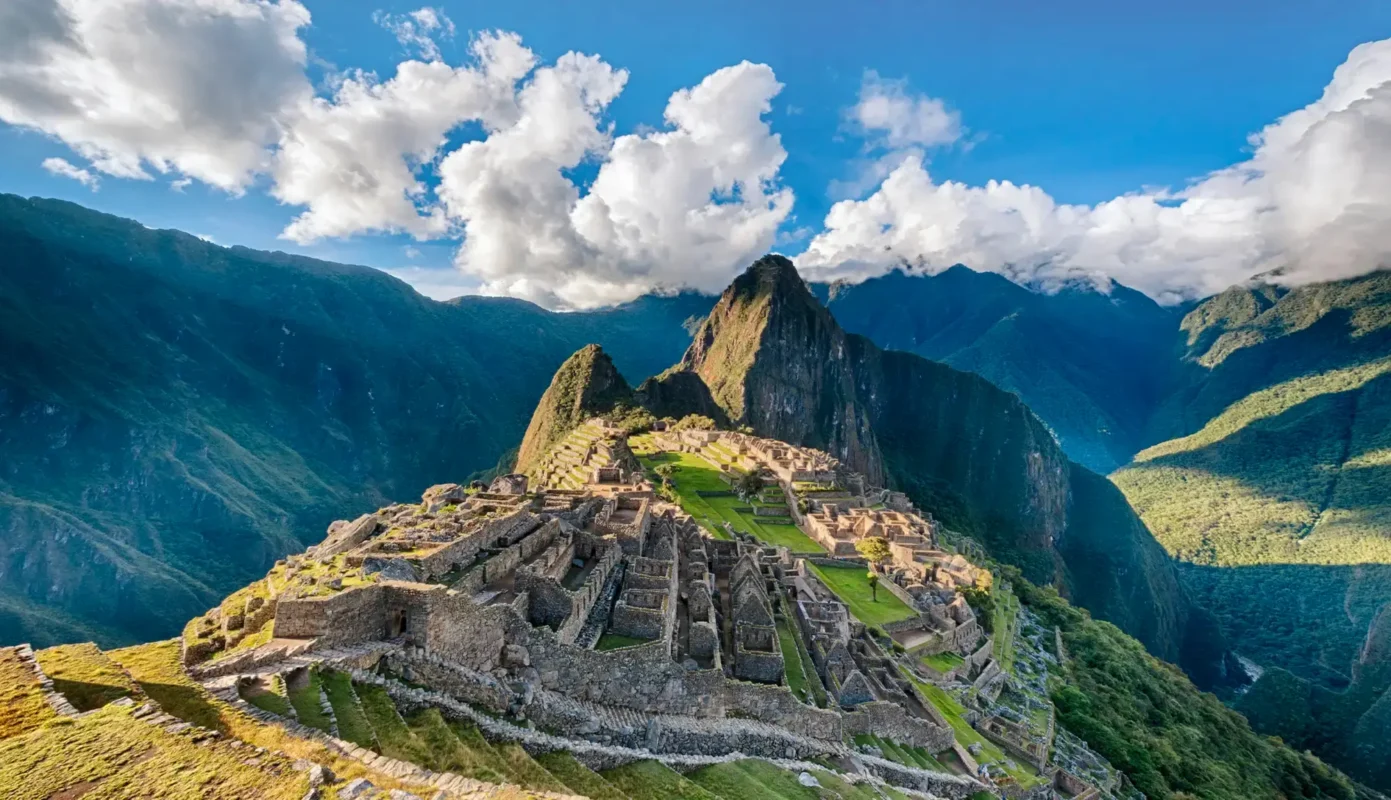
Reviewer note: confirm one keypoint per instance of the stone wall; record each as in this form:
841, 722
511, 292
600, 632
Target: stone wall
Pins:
583, 600
777, 705
890, 721
352, 615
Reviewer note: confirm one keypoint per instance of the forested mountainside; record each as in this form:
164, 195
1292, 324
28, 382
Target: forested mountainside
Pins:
773, 358
176, 415
1070, 355
1276, 489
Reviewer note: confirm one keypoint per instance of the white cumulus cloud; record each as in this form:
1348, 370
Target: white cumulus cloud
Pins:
66, 169
1312, 203
187, 86
685, 206
888, 110
354, 159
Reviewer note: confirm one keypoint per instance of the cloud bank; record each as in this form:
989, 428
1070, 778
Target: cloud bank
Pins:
1312, 203
486, 153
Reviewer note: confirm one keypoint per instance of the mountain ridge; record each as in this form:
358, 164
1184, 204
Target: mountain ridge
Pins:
969, 452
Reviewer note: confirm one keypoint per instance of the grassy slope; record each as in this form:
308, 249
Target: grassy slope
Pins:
1150, 721
654, 779
692, 474
22, 705
112, 755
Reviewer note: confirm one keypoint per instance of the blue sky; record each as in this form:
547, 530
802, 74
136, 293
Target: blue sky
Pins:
1087, 100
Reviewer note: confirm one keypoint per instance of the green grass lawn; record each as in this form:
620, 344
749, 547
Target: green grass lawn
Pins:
612, 641
943, 662
851, 585
655, 779
352, 723
306, 702
792, 659
578, 777
394, 739
693, 474
1005, 622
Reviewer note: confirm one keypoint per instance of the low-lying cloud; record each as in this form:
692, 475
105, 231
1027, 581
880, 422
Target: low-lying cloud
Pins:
485, 153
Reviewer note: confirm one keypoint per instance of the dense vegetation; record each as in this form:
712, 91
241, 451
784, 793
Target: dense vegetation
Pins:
176, 415
1275, 486
1150, 721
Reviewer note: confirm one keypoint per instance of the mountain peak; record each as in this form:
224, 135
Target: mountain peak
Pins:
586, 385
770, 275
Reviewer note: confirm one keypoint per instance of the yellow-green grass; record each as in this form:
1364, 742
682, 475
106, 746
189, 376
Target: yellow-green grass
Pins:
480, 750
614, 641
955, 715
84, 675
652, 779
158, 671
305, 699
797, 667
943, 662
907, 755
692, 475
22, 704
752, 778
524, 770
113, 756
352, 723
851, 585
394, 739
448, 753
578, 777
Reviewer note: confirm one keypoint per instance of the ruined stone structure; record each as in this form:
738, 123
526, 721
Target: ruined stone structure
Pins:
575, 594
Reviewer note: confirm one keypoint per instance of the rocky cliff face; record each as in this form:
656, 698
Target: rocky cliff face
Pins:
774, 359
972, 454
586, 385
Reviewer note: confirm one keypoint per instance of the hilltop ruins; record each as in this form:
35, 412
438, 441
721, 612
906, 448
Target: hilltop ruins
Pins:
581, 598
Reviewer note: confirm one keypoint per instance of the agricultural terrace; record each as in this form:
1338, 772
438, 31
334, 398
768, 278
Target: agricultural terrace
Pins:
955, 714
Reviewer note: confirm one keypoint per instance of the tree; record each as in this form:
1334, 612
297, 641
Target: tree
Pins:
875, 549
749, 483
664, 471
694, 422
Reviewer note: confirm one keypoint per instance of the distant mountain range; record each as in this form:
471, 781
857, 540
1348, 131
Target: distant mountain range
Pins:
175, 415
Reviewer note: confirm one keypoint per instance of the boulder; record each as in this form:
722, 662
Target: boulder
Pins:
357, 789
514, 655
515, 483
441, 495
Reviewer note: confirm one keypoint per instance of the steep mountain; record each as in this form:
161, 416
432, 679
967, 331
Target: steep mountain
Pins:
586, 385
1069, 354
175, 415
1274, 486
773, 358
